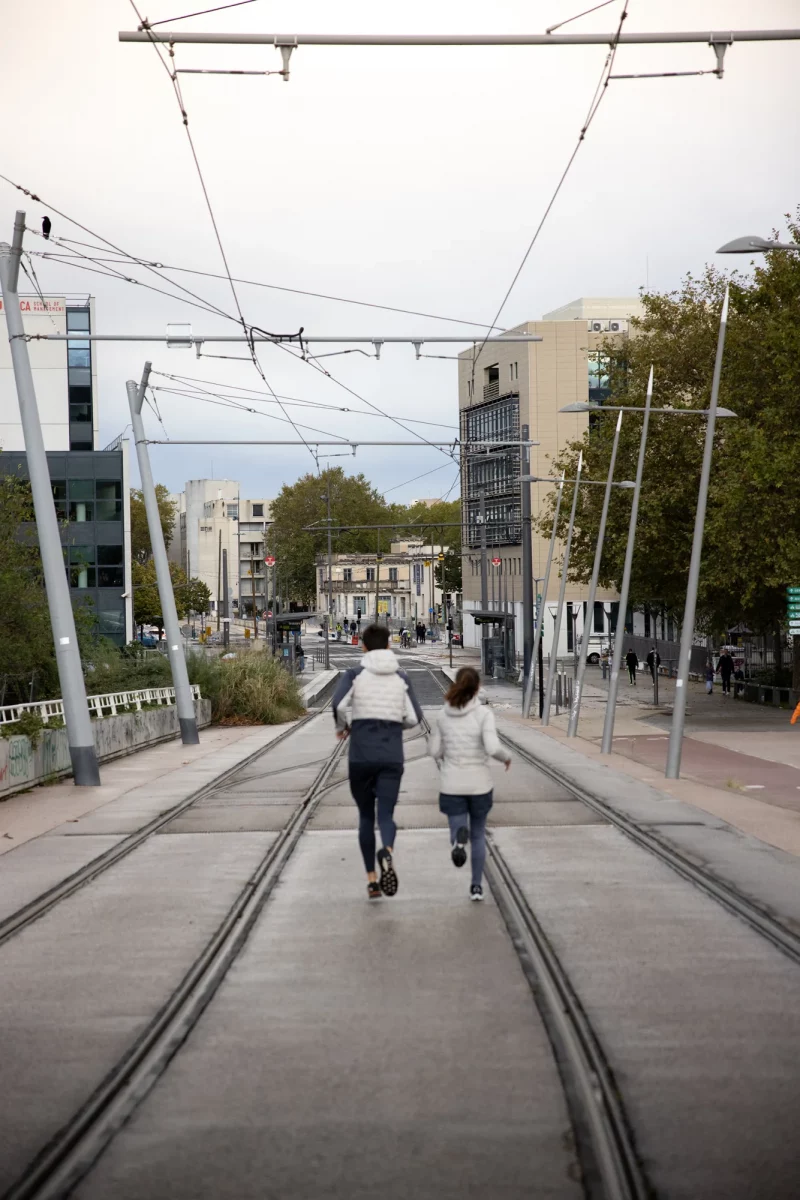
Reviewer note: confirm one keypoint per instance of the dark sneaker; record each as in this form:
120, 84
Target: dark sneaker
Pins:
388, 883
458, 853
476, 892
374, 889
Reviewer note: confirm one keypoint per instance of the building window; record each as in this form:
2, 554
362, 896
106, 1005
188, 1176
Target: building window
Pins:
60, 498
599, 617
370, 574
392, 574
109, 566
599, 368
347, 574
258, 510
233, 512
109, 500
81, 567
81, 500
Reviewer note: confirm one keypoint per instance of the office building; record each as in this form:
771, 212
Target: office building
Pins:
506, 388
90, 486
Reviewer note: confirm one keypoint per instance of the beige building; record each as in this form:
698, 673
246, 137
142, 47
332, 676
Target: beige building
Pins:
506, 388
211, 518
400, 587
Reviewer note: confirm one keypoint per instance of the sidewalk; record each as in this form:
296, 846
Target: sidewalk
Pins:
151, 780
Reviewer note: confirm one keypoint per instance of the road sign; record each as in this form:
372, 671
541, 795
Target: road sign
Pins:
496, 562
270, 560
793, 591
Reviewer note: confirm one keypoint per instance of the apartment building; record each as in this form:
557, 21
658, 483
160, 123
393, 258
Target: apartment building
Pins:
504, 389
90, 486
400, 585
213, 521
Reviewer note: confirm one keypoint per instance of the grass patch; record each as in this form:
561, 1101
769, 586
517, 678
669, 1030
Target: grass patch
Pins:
252, 689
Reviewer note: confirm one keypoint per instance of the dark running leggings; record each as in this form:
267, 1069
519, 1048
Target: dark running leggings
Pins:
370, 784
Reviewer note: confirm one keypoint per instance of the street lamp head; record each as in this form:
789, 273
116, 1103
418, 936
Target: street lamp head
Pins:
626, 483
755, 245
725, 412
580, 407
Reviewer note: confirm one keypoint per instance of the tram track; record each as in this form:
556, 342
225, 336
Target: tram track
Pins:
71, 1153
603, 1135
25, 916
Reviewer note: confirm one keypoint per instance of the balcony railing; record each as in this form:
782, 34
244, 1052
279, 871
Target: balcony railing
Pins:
358, 586
491, 391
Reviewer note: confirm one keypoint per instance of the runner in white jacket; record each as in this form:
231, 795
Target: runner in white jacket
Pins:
463, 739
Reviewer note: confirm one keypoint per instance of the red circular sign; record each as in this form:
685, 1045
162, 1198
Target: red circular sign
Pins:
496, 562
269, 560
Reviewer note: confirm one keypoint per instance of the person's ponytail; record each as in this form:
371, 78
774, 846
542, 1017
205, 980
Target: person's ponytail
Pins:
467, 685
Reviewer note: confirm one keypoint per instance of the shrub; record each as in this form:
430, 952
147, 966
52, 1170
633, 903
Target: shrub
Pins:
253, 689
30, 725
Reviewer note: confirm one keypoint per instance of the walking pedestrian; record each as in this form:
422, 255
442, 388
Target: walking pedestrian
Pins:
738, 675
725, 670
372, 705
653, 662
424, 631
358, 621
352, 629
632, 663
463, 739
420, 633
709, 677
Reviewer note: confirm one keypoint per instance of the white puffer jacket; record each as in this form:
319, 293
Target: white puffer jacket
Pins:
462, 741
375, 691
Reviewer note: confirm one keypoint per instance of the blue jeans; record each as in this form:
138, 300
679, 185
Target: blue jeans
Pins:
469, 812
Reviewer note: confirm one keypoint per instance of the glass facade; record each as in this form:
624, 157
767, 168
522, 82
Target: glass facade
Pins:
87, 490
495, 473
79, 380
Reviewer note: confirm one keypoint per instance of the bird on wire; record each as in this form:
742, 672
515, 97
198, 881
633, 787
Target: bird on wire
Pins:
47, 225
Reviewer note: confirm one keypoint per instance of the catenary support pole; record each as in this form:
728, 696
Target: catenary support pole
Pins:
613, 683
326, 625
226, 606
527, 574
687, 628
538, 655
559, 611
551, 670
180, 679
484, 575
589, 618
80, 735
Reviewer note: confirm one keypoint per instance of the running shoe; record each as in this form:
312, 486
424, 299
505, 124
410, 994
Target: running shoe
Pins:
374, 889
388, 883
476, 892
458, 853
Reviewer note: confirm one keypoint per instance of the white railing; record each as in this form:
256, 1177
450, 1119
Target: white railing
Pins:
98, 705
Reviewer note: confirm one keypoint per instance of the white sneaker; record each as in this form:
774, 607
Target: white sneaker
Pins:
476, 892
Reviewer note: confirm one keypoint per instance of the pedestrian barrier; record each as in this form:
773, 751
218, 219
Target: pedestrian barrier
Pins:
106, 704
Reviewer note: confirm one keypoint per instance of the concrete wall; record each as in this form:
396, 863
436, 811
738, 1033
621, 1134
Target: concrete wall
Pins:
21, 766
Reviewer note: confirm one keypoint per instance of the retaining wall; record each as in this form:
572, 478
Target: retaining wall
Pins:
22, 766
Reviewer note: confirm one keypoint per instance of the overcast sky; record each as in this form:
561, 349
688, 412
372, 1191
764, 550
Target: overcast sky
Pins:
411, 177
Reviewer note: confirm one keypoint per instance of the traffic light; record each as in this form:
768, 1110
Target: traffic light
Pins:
438, 612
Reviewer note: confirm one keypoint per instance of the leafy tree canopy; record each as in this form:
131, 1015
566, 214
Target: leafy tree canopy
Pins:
141, 549
191, 595
751, 549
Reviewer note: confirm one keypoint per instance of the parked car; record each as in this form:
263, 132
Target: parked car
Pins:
148, 641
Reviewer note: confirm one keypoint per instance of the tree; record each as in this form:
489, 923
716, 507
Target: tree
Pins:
354, 501
440, 525
26, 638
141, 549
191, 595
751, 550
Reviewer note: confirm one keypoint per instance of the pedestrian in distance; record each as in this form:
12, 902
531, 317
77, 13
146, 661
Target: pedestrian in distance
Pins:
358, 621
738, 675
419, 633
632, 663
352, 629
373, 704
709, 677
725, 670
463, 739
424, 632
653, 662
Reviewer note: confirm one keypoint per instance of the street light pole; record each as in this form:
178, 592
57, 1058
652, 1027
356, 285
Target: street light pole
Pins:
327, 622
613, 683
80, 735
527, 571
548, 691
687, 629
588, 619
184, 703
537, 639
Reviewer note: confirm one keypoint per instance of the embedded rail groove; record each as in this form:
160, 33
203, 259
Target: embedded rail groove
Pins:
747, 910
604, 1141
71, 1154
60, 891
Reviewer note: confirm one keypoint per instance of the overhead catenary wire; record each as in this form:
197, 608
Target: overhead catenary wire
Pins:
203, 13
597, 99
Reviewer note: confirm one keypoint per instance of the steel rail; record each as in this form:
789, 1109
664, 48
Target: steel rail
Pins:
71, 1154
603, 1134
754, 915
66, 887
589, 1086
